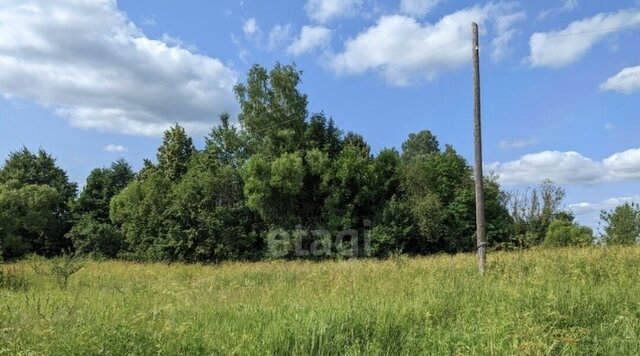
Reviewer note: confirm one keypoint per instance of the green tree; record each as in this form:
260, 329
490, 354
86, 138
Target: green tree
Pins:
22, 171
208, 220
102, 185
622, 224
419, 144
175, 152
91, 236
272, 110
564, 232
349, 185
533, 210
28, 222
140, 211
92, 232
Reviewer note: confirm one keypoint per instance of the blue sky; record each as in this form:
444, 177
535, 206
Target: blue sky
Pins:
91, 81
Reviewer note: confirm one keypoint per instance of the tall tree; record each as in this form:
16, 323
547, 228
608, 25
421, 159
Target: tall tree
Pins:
93, 231
175, 152
24, 169
622, 224
272, 110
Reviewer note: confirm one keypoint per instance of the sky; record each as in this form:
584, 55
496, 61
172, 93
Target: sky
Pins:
91, 81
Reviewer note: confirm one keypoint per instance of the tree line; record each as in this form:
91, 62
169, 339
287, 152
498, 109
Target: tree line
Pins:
279, 177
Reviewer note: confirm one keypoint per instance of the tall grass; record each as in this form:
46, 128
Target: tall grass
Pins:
569, 301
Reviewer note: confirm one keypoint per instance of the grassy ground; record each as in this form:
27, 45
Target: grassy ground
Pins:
573, 301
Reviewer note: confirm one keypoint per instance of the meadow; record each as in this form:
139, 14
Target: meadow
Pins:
544, 301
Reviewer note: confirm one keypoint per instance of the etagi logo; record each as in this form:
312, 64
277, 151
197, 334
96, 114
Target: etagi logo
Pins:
319, 243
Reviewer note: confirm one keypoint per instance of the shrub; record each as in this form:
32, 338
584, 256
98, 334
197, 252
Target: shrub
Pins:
63, 267
563, 232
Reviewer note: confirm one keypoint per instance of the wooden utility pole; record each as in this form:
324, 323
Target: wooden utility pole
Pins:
477, 135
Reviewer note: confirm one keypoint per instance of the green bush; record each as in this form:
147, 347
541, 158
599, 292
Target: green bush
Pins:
563, 232
63, 267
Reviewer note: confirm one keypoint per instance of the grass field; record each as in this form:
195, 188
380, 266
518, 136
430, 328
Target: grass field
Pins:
570, 301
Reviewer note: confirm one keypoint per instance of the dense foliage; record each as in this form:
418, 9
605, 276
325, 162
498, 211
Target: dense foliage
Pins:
278, 183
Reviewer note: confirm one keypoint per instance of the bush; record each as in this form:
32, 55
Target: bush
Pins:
63, 267
563, 232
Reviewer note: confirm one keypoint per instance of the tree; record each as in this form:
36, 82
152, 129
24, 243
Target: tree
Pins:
93, 232
349, 184
272, 110
42, 190
622, 224
564, 232
208, 220
272, 187
420, 144
140, 211
175, 152
437, 189
533, 210
102, 185
91, 236
226, 144
27, 221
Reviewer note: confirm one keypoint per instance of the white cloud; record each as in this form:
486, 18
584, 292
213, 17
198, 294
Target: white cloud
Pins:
95, 68
560, 48
408, 51
569, 168
609, 126
278, 35
626, 81
624, 165
251, 28
520, 143
506, 33
418, 8
115, 148
310, 38
569, 5
326, 10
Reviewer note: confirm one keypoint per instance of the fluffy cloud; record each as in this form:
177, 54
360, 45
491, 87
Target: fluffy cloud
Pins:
627, 81
310, 38
506, 32
624, 165
418, 8
521, 143
407, 51
559, 48
568, 168
115, 148
326, 10
92, 65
